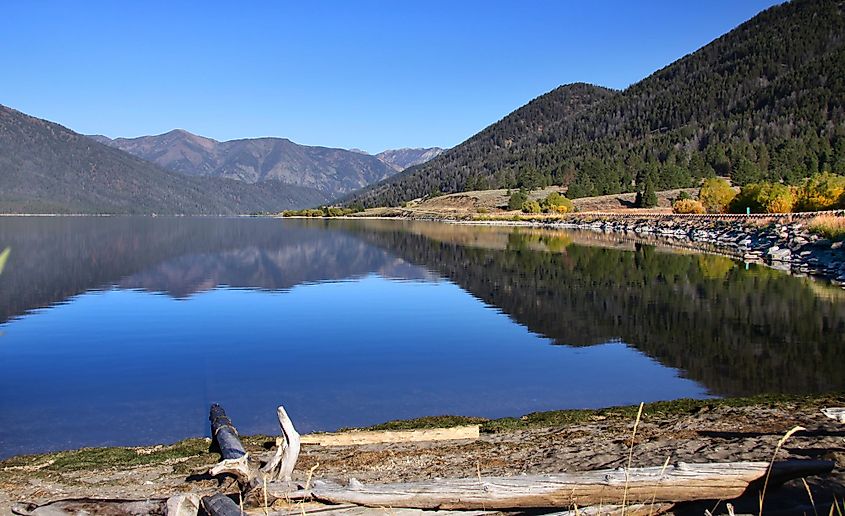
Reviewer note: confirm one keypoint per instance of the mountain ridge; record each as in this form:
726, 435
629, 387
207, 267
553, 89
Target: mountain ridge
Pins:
48, 168
761, 102
332, 171
400, 159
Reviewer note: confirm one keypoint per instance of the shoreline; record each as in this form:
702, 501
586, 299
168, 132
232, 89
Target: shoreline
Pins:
779, 241
542, 419
709, 430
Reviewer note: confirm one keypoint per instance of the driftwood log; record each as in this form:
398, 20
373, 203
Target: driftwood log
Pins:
281, 465
682, 482
358, 437
835, 413
235, 459
220, 505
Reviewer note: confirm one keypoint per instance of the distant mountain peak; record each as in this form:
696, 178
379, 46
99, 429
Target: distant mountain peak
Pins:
333, 172
400, 159
47, 168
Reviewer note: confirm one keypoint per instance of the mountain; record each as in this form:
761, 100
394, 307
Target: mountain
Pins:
400, 159
764, 101
333, 172
47, 168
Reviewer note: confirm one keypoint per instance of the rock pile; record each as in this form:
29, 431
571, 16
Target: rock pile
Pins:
778, 242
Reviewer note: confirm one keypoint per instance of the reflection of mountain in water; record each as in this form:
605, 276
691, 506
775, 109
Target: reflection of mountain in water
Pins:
735, 331
53, 259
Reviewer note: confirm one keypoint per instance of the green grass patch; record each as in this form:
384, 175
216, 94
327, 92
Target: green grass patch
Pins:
428, 422
114, 457
196, 451
650, 410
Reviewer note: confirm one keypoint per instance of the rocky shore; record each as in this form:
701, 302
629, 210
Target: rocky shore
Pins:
548, 442
779, 241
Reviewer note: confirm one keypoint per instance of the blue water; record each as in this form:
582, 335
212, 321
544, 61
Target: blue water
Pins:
284, 315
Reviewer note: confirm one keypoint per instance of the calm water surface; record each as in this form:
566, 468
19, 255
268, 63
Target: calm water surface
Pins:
124, 330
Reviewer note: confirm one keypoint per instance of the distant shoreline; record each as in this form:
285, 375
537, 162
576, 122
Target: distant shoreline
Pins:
780, 241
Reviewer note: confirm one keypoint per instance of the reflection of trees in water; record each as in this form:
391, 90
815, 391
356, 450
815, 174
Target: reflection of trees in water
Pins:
57, 258
735, 331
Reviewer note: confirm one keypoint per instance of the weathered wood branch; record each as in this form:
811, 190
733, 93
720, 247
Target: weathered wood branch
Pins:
220, 505
280, 467
235, 458
354, 437
187, 504
224, 432
682, 482
836, 413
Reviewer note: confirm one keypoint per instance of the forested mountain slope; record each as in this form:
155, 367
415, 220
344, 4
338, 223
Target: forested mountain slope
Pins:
47, 168
764, 101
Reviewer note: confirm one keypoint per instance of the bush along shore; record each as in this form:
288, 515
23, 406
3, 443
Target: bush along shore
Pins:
798, 243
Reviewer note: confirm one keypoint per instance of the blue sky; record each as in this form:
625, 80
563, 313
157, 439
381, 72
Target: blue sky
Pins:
366, 74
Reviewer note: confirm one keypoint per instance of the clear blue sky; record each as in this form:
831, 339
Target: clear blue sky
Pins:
366, 74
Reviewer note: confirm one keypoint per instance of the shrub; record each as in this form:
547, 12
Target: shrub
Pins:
823, 191
531, 207
764, 198
828, 226
688, 206
683, 196
716, 195
562, 209
554, 202
517, 199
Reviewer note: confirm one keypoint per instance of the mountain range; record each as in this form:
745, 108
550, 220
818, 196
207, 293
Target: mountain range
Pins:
333, 172
764, 101
47, 168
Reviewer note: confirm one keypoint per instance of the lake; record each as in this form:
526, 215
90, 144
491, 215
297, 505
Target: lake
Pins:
122, 330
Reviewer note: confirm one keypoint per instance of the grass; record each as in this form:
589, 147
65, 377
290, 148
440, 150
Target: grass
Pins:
650, 410
114, 457
196, 451
428, 422
828, 226
565, 417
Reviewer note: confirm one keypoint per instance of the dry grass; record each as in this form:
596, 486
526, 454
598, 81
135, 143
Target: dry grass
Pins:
828, 226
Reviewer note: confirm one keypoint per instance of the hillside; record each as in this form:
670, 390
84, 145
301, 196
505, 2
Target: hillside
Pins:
47, 168
400, 159
764, 101
333, 172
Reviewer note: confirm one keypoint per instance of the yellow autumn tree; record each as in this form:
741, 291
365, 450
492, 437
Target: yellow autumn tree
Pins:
716, 195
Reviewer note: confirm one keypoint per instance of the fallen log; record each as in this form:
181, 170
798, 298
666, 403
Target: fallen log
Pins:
220, 505
835, 413
393, 436
682, 482
235, 459
77, 506
187, 504
225, 434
